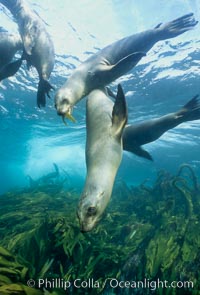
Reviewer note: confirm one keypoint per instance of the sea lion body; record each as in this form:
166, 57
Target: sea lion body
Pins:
114, 61
38, 46
10, 44
105, 124
136, 135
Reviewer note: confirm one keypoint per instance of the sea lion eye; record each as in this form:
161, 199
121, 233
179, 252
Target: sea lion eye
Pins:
91, 211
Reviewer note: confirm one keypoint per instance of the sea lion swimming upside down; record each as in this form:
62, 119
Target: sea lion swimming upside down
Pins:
105, 124
114, 61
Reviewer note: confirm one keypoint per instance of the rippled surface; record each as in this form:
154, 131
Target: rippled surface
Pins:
33, 139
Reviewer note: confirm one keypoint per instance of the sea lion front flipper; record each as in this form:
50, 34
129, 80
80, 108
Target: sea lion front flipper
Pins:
125, 64
29, 38
139, 151
119, 113
10, 69
107, 72
43, 89
28, 44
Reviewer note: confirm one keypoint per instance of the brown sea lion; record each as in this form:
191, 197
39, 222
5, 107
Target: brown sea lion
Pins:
105, 124
114, 61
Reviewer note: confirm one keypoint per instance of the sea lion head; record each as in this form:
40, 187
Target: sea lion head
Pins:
90, 209
62, 104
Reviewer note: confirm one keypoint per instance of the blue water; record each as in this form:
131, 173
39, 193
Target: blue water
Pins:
32, 139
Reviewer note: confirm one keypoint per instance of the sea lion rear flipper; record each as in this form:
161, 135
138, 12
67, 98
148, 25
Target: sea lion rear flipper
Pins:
139, 151
10, 69
43, 89
119, 113
190, 111
193, 103
177, 26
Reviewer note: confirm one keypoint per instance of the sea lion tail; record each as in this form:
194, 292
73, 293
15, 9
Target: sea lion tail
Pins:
191, 110
177, 26
44, 88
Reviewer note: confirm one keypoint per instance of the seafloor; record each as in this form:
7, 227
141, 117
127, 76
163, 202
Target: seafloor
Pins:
148, 233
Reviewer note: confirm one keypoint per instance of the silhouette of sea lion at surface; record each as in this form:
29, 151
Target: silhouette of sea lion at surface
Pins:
10, 44
38, 46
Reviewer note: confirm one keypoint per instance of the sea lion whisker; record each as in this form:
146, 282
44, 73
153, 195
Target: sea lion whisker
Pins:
63, 119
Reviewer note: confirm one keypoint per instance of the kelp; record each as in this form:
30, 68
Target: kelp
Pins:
12, 272
146, 232
192, 177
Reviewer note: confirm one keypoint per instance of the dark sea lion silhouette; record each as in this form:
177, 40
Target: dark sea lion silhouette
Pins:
10, 44
38, 46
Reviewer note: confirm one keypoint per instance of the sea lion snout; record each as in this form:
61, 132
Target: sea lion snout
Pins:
64, 109
89, 210
62, 106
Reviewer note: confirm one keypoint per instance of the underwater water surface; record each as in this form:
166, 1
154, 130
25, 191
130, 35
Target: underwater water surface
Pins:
147, 204
33, 139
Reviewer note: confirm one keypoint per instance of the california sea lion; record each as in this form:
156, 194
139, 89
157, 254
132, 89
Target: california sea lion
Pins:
38, 46
134, 136
114, 61
10, 44
105, 124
